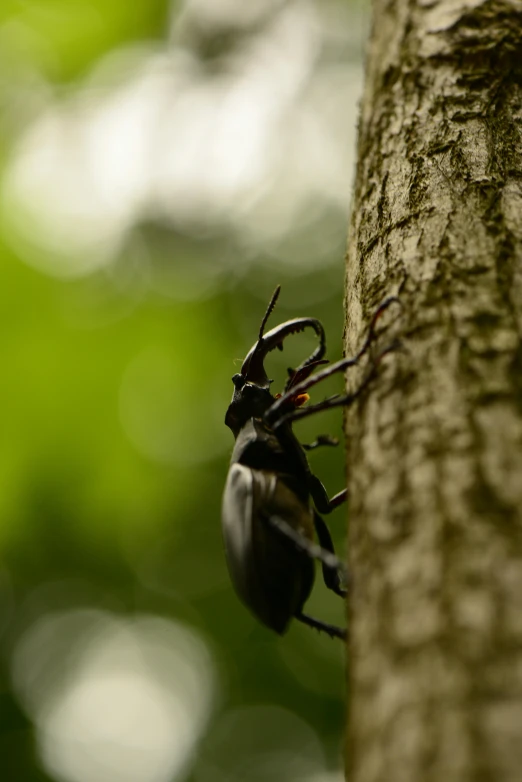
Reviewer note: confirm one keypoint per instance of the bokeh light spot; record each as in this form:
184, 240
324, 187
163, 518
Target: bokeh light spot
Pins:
114, 700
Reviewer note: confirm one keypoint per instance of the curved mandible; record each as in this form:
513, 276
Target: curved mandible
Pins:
253, 369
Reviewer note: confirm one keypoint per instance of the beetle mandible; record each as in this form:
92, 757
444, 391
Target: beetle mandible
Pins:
272, 500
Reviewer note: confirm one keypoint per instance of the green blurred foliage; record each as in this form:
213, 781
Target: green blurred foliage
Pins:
62, 38
88, 503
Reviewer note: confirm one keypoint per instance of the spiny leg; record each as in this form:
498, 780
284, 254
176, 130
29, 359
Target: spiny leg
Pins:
322, 501
338, 499
322, 439
337, 400
303, 544
328, 559
277, 408
323, 627
331, 576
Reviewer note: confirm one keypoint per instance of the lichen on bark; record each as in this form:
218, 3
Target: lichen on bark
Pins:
435, 447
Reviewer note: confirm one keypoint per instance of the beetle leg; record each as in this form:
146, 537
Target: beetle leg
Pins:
331, 576
271, 414
322, 502
322, 439
331, 630
338, 499
338, 400
314, 551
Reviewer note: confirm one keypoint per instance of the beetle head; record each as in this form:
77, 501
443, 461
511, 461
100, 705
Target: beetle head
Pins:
252, 395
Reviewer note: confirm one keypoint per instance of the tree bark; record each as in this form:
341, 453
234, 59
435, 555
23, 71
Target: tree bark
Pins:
435, 446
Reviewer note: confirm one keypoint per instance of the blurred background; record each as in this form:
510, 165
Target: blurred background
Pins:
163, 166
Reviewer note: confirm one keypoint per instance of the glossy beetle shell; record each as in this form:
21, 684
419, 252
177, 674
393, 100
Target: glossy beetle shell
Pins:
272, 577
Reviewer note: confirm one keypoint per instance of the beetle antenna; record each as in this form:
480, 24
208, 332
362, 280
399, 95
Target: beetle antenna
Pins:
269, 310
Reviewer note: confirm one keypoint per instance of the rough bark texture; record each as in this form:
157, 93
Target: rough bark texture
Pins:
435, 448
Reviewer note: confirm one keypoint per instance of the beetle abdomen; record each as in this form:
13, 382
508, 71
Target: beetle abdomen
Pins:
271, 576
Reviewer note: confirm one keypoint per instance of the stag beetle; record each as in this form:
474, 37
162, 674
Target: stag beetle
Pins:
268, 518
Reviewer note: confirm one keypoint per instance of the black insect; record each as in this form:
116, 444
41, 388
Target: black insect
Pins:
272, 500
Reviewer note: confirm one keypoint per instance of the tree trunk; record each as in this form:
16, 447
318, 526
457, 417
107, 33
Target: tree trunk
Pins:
435, 447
